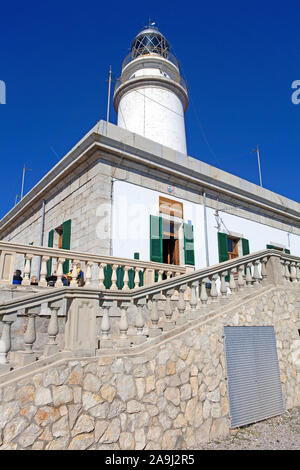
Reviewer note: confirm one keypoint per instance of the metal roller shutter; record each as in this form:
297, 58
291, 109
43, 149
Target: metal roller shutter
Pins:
254, 385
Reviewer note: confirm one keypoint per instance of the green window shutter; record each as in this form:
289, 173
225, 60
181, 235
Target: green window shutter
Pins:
287, 251
245, 245
189, 252
50, 245
156, 244
66, 242
270, 247
223, 247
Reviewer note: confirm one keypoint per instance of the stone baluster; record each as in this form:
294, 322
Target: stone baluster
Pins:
194, 297
123, 323
223, 287
248, 275
213, 290
136, 277
51, 346
298, 272
169, 274
160, 275
59, 272
5, 345
256, 276
74, 274
139, 319
168, 306
232, 283
114, 277
241, 280
264, 269
154, 317
282, 262
126, 278
101, 276
105, 323
181, 304
293, 272
29, 339
287, 272
88, 274
26, 278
203, 292
43, 273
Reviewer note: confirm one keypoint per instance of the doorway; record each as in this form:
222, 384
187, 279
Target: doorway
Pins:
170, 241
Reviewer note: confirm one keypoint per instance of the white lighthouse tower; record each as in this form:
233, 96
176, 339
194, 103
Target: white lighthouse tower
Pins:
151, 97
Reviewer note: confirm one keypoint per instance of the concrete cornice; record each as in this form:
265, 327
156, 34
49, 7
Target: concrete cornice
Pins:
132, 147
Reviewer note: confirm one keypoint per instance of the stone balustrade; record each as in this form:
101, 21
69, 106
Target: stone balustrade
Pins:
84, 321
102, 272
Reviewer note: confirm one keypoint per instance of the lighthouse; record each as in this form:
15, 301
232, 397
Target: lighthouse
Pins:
151, 97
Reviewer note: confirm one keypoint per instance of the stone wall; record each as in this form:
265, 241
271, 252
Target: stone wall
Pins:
171, 396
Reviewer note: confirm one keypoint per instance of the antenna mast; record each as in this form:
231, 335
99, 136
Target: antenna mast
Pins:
108, 97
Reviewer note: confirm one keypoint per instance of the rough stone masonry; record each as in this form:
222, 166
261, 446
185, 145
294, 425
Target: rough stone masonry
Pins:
172, 396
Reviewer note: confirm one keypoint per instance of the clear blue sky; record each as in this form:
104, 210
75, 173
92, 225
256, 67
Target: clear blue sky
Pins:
238, 59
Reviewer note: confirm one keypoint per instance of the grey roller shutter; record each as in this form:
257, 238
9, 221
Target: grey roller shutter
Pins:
254, 385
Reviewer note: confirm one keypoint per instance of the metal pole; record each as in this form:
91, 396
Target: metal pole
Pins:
41, 237
23, 177
205, 229
258, 159
108, 98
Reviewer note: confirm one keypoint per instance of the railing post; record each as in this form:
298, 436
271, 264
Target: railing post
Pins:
29, 339
203, 292
293, 271
139, 319
73, 282
26, 279
59, 271
43, 282
232, 284
181, 304
298, 272
287, 272
114, 277
51, 346
241, 280
264, 269
194, 297
126, 278
160, 275
154, 317
88, 275
223, 288
275, 270
101, 276
136, 277
5, 346
213, 290
248, 275
256, 276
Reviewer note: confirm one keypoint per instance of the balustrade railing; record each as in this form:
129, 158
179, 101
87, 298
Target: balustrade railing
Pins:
122, 318
103, 272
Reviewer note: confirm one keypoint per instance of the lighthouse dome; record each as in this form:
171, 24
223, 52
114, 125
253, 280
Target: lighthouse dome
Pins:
150, 41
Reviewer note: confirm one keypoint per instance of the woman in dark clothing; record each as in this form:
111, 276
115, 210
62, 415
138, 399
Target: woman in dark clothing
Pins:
17, 279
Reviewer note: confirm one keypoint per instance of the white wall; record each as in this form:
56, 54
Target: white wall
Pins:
132, 207
259, 235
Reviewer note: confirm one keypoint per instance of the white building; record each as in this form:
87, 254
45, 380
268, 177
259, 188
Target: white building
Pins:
131, 191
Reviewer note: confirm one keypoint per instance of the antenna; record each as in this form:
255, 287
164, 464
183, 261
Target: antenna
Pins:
23, 179
108, 98
258, 161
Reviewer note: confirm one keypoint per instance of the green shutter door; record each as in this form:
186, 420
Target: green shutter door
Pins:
189, 252
270, 247
66, 242
245, 245
156, 244
223, 247
287, 251
50, 245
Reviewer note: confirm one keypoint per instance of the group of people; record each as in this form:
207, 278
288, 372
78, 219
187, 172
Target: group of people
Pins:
51, 280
